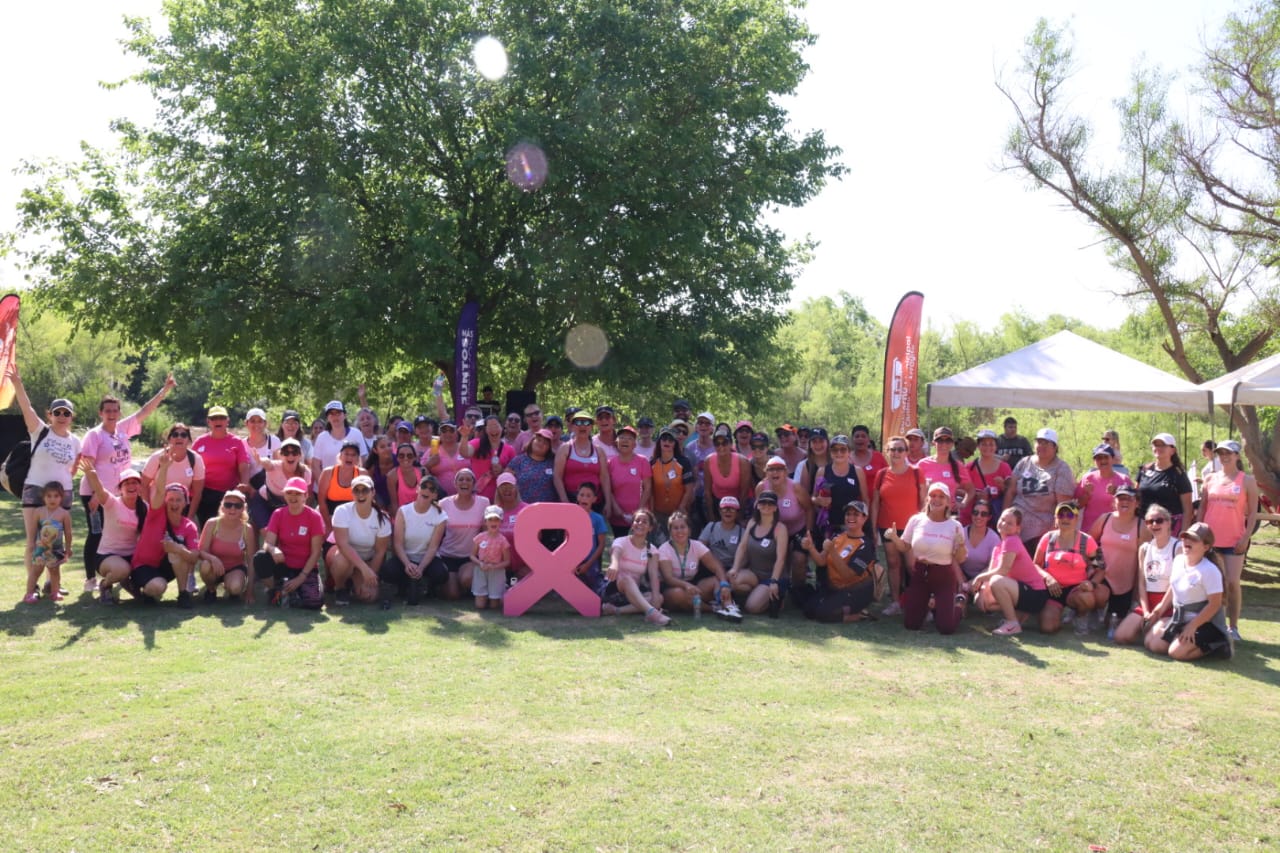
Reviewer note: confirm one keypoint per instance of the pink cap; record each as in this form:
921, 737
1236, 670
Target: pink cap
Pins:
506, 478
296, 484
545, 433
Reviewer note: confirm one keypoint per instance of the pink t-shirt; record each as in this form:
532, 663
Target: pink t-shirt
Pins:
447, 466
934, 471
482, 467
462, 525
492, 549
933, 541
222, 460
294, 532
629, 560
627, 481
1103, 498
150, 548
508, 529
1024, 568
110, 453
119, 528
682, 569
185, 471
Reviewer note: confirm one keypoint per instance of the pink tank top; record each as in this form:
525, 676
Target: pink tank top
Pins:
406, 493
1121, 553
721, 485
789, 511
580, 469
446, 469
1226, 509
230, 552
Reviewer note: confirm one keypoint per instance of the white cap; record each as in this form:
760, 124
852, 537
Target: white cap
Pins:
940, 487
708, 416
254, 413
1048, 435
493, 512
1166, 438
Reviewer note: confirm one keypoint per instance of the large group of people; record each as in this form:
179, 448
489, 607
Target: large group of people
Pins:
696, 516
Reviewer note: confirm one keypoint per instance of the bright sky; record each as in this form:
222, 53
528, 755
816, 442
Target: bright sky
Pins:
906, 90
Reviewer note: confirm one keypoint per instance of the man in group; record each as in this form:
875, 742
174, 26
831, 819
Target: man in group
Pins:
486, 403
789, 447
1010, 446
645, 444
226, 463
606, 438
681, 411
108, 446
696, 450
916, 447
511, 429
533, 423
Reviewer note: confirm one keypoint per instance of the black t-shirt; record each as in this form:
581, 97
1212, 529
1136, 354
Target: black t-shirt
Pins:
1165, 488
1012, 450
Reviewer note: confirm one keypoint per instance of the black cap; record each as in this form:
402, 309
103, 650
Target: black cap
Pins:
645, 421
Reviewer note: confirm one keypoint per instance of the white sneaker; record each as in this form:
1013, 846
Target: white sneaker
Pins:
1068, 615
91, 584
892, 610
656, 617
730, 612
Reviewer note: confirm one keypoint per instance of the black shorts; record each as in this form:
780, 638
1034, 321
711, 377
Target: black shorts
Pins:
1209, 639
795, 543
1120, 603
143, 575
1061, 598
454, 564
1030, 600
612, 595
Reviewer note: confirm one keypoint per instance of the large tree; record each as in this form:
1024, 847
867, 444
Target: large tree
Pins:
1197, 251
326, 185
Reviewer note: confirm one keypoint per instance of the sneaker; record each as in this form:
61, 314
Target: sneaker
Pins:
1234, 634
184, 599
31, 598
210, 595
1068, 615
1082, 624
62, 592
342, 597
106, 597
893, 609
657, 617
90, 584
1008, 629
730, 612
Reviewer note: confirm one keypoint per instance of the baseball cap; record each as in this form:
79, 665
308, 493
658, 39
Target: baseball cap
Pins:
1104, 450
362, 480
214, 411
506, 478
1047, 434
492, 512
1165, 438
335, 406
1233, 446
296, 484
255, 412
940, 487
729, 501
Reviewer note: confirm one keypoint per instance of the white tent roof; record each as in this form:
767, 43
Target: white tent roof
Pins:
1256, 384
1066, 371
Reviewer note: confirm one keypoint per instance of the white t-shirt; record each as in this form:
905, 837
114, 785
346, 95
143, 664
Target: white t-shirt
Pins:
419, 527
327, 445
933, 541
362, 533
1194, 584
52, 460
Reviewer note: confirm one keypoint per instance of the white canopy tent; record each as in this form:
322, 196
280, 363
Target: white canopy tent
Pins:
1256, 384
1066, 371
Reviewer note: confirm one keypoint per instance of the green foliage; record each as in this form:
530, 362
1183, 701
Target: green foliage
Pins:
325, 188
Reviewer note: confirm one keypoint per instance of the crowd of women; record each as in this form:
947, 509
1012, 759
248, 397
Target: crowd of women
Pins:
696, 516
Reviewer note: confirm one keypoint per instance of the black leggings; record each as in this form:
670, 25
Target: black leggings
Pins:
93, 522
830, 604
434, 575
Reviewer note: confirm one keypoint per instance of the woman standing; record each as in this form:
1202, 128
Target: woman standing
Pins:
1012, 585
838, 485
933, 544
449, 456
989, 475
942, 467
1039, 483
327, 444
1197, 627
631, 478
761, 558
380, 462
54, 451
534, 469
795, 511
1165, 482
489, 455
510, 502
580, 461
1097, 488
260, 443
672, 477
897, 495
1229, 505
402, 482
334, 488
291, 427
818, 457
725, 473
226, 548
357, 546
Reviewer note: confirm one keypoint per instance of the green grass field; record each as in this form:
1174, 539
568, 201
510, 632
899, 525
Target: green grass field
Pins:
250, 728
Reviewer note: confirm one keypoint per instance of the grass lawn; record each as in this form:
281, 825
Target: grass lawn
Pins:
234, 728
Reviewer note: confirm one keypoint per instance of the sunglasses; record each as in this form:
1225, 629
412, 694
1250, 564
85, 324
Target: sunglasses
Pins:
361, 490
426, 488
759, 447
218, 419
977, 513
1066, 513
232, 505
582, 423
897, 450
409, 454
179, 435
1156, 522
291, 451
944, 440
721, 442
473, 417
62, 413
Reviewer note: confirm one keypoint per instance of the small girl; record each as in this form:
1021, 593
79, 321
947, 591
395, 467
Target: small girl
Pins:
53, 543
491, 553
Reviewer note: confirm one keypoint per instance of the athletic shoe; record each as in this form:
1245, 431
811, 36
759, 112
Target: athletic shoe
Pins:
105, 596
1234, 634
893, 609
90, 584
730, 612
210, 595
1008, 629
184, 600
1068, 615
656, 617
1082, 624
31, 598
342, 597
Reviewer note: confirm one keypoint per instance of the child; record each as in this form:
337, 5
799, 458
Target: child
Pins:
589, 569
53, 543
491, 554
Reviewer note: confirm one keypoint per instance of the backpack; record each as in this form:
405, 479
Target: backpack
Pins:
13, 473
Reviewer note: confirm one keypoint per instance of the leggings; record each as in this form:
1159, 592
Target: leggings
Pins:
434, 574
940, 581
93, 535
829, 605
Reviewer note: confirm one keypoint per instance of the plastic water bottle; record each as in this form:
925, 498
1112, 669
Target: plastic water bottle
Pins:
1112, 621
697, 605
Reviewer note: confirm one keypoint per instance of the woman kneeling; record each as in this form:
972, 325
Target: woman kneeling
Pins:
1198, 625
849, 560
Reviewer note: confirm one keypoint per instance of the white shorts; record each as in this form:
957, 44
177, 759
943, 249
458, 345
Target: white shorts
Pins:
491, 583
